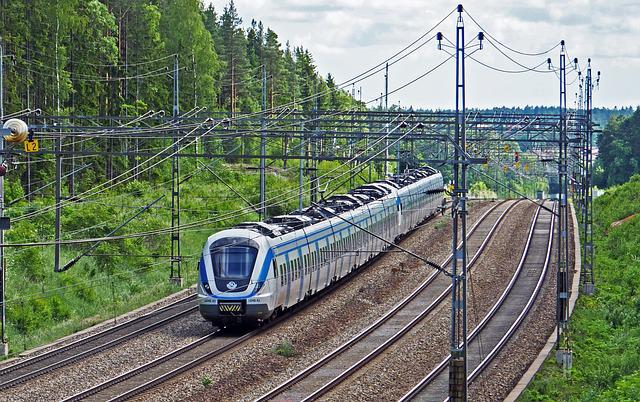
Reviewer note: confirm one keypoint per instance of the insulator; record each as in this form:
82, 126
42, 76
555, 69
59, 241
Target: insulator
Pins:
19, 130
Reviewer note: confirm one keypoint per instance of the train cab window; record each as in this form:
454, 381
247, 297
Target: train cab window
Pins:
233, 261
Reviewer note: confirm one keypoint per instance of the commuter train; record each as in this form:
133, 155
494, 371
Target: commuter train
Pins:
252, 272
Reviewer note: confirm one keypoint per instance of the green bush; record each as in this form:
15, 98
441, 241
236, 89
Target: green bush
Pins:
285, 349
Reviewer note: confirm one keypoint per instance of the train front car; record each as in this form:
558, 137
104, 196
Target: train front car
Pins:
234, 285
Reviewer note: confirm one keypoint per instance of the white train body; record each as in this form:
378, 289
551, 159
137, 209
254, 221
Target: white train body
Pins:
254, 270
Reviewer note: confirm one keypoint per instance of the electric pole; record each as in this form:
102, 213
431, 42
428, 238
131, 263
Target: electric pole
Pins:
263, 145
458, 363
563, 352
5, 344
176, 257
588, 284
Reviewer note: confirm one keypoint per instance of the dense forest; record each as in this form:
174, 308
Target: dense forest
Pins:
619, 150
116, 57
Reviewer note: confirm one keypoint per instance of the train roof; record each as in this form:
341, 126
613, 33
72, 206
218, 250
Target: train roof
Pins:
278, 225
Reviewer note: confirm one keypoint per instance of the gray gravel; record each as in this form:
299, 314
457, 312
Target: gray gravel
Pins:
495, 383
101, 327
94, 370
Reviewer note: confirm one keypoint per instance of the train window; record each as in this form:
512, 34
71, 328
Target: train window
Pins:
275, 269
233, 262
294, 269
297, 268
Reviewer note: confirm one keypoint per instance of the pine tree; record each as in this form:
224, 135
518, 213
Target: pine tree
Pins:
183, 32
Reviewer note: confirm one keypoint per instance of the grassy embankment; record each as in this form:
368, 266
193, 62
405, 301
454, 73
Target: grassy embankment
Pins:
605, 327
119, 276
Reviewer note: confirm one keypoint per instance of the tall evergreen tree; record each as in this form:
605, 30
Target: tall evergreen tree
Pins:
235, 94
183, 32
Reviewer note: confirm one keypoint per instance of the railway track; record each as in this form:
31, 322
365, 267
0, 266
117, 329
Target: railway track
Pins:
331, 370
147, 376
33, 367
502, 321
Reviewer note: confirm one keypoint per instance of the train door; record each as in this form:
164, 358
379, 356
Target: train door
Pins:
300, 273
287, 279
317, 265
326, 261
280, 282
399, 211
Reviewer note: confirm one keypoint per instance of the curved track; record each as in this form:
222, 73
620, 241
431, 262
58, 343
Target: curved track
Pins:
30, 368
183, 359
502, 321
338, 365
180, 360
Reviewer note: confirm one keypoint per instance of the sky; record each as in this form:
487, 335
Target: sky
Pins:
348, 37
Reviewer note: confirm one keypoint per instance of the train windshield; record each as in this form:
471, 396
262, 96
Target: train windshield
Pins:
233, 262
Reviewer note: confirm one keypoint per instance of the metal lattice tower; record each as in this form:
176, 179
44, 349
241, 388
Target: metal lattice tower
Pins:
588, 284
176, 255
562, 305
458, 363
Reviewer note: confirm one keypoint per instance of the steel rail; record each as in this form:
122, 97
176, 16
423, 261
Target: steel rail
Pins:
385, 318
419, 388
82, 348
207, 352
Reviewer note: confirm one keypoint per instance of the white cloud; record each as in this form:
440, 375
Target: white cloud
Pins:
349, 36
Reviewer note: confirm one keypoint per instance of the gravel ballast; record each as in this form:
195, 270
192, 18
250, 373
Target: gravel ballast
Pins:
497, 381
404, 364
253, 368
69, 380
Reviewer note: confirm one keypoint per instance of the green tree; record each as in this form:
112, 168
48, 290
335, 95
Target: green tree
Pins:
184, 34
234, 54
619, 150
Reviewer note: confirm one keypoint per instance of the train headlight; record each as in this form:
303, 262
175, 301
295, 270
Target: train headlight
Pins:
259, 285
206, 286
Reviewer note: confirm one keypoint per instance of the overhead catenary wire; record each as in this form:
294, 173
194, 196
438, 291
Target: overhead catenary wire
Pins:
520, 52
209, 130
168, 230
409, 83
